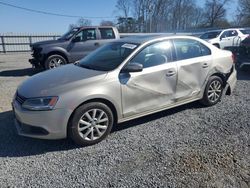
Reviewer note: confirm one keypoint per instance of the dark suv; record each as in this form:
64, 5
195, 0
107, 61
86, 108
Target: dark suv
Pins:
71, 47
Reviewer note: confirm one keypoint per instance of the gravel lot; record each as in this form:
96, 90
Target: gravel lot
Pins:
188, 146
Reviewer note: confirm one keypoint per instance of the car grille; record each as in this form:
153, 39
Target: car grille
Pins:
20, 99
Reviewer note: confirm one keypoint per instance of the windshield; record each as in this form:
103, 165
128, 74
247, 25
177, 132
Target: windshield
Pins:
245, 31
210, 35
108, 57
69, 34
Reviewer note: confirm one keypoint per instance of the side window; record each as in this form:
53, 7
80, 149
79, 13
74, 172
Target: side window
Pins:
107, 33
155, 54
225, 34
233, 33
188, 48
87, 34
204, 49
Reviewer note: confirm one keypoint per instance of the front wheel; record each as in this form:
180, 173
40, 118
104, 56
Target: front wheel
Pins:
54, 61
91, 123
213, 91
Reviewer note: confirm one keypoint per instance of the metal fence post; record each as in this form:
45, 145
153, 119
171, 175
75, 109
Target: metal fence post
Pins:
30, 40
3, 44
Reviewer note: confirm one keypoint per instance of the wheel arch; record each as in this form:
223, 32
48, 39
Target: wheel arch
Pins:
101, 100
224, 79
222, 76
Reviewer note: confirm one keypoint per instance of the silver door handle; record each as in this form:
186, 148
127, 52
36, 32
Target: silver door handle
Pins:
170, 73
205, 65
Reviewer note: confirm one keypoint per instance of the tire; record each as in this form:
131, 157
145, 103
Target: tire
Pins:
86, 118
217, 45
213, 91
54, 61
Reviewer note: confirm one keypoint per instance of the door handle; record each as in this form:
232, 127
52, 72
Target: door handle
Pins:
205, 65
170, 73
96, 43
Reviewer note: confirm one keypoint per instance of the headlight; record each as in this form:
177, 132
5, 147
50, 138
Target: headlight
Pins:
44, 103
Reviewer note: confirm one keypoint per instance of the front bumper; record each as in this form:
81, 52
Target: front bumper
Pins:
34, 62
41, 124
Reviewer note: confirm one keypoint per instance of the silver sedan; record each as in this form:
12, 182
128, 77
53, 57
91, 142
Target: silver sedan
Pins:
123, 80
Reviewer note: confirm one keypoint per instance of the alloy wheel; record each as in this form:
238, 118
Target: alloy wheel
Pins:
55, 62
214, 91
93, 124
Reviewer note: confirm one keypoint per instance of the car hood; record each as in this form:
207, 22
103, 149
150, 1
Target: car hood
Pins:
56, 81
47, 42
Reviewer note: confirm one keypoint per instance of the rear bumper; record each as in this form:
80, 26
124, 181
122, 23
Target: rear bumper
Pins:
231, 81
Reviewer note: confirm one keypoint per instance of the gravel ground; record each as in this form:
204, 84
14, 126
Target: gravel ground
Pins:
188, 146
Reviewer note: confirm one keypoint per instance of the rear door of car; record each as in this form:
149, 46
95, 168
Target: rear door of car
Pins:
193, 64
106, 35
155, 86
88, 42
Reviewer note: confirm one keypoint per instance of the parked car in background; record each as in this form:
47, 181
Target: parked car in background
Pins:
120, 81
71, 47
243, 54
226, 38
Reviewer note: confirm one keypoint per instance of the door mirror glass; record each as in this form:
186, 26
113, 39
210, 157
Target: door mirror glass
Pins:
132, 67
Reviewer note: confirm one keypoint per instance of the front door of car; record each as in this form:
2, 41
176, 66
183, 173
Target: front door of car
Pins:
193, 62
228, 38
82, 44
153, 87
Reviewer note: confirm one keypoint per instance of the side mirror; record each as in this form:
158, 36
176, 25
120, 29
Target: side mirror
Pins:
132, 67
76, 39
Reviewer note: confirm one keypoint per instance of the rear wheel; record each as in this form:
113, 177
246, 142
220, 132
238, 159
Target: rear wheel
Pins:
213, 91
91, 123
54, 61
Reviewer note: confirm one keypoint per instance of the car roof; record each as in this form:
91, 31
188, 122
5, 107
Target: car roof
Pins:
218, 30
148, 38
93, 27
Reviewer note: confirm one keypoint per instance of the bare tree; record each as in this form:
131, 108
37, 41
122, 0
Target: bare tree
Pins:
84, 22
215, 11
71, 26
243, 17
107, 23
170, 15
124, 6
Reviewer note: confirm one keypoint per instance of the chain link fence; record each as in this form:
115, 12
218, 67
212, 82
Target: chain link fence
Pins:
22, 42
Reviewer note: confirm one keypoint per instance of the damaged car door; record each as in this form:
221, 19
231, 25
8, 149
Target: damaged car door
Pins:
193, 61
153, 87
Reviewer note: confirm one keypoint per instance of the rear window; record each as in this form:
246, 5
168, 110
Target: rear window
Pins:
188, 48
107, 33
245, 31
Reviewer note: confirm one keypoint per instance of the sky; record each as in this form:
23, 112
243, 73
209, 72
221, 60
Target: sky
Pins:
21, 21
